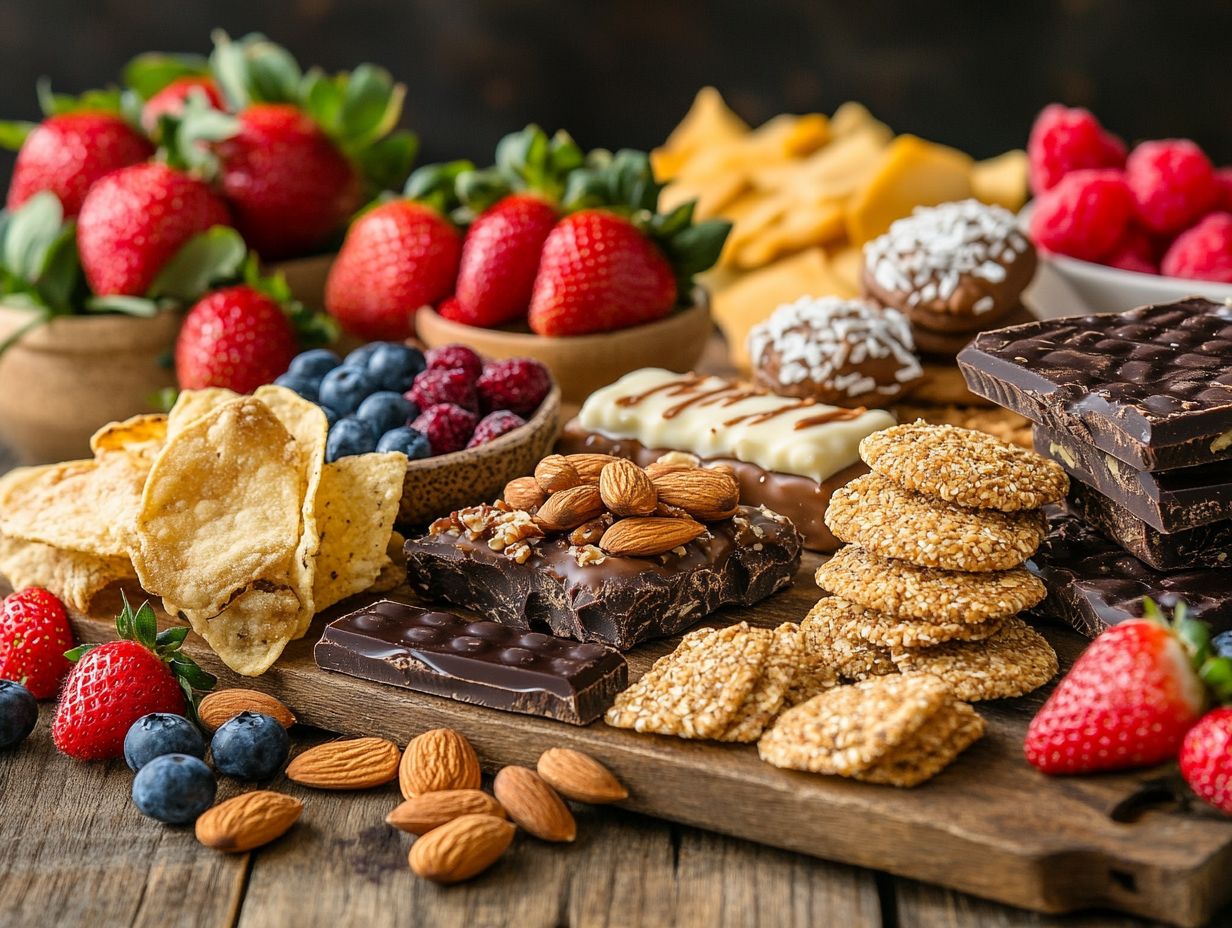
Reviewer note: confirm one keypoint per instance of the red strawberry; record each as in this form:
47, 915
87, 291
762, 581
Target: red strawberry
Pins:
134, 220
1127, 702
116, 683
67, 154
499, 259
396, 258
237, 338
288, 184
34, 634
1206, 759
171, 99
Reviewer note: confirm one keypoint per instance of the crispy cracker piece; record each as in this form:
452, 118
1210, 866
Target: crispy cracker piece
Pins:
1012, 662
831, 639
811, 679
74, 577
963, 466
886, 631
695, 691
943, 597
849, 729
766, 698
252, 631
889, 521
954, 728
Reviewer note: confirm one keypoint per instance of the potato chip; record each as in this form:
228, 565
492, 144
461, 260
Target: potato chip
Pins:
140, 434
252, 631
854, 117
708, 122
801, 226
191, 405
1002, 180
74, 577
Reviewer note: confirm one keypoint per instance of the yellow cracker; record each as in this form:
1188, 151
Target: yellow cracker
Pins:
933, 748
766, 698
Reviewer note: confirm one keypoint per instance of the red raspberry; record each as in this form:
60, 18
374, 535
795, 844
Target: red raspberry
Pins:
1173, 184
1064, 140
1084, 215
1223, 177
446, 426
494, 425
519, 384
1203, 252
433, 387
1136, 251
455, 358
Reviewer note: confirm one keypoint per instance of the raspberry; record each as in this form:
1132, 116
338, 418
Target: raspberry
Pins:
1064, 140
1173, 184
432, 387
1136, 251
494, 425
1203, 252
455, 358
446, 426
518, 384
1223, 177
1084, 215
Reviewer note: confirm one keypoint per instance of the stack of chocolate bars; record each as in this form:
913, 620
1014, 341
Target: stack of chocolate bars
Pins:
1137, 407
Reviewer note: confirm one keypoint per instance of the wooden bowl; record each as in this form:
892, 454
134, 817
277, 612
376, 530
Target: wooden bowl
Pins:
437, 486
584, 363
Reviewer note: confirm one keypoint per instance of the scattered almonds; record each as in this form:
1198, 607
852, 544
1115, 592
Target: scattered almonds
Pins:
355, 763
580, 777
533, 804
248, 820
422, 813
554, 473
644, 537
460, 849
439, 759
221, 706
589, 466
567, 509
626, 490
707, 495
524, 493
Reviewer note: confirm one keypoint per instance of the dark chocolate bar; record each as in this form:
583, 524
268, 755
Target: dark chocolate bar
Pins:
1093, 583
621, 600
1152, 387
479, 662
1204, 546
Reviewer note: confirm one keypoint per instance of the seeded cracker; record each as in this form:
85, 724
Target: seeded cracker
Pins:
896, 523
954, 728
1012, 662
964, 467
695, 691
886, 631
1005, 425
766, 698
812, 677
943, 597
832, 639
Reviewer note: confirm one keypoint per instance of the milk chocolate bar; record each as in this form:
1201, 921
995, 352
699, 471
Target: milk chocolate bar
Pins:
479, 662
1152, 387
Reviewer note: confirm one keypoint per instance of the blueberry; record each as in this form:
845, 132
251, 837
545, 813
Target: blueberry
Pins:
385, 410
360, 356
174, 788
161, 733
18, 713
407, 440
307, 387
314, 364
344, 388
349, 436
393, 366
1221, 644
330, 416
251, 746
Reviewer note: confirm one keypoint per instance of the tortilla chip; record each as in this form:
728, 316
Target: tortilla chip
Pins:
191, 405
708, 122
138, 435
393, 574
252, 631
74, 577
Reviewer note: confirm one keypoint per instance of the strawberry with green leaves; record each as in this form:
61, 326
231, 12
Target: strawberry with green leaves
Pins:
34, 634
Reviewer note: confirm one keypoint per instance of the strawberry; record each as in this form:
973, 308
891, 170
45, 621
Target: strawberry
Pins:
1128, 700
170, 100
114, 684
133, 222
237, 337
34, 634
1206, 759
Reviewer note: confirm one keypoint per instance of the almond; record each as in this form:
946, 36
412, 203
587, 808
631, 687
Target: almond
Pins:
533, 804
658, 469
589, 533
566, 509
223, 705
524, 493
626, 490
421, 814
460, 849
555, 473
580, 777
589, 465
436, 760
356, 763
248, 820
708, 495
649, 536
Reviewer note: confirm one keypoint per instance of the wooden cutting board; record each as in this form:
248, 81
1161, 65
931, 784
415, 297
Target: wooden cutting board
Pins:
988, 825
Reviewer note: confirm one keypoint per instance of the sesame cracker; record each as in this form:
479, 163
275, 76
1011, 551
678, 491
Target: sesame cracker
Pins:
766, 698
831, 638
953, 729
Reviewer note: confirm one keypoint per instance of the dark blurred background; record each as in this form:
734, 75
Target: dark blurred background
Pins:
622, 72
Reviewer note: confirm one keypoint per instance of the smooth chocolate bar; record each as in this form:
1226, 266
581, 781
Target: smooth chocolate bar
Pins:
616, 600
1093, 583
479, 662
1152, 387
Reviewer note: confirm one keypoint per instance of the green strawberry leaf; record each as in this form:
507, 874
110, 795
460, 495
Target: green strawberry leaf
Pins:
30, 232
254, 70
171, 638
109, 100
145, 626
186, 139
696, 248
13, 133
386, 163
371, 106
186, 669
149, 73
205, 260
125, 305
60, 278
322, 99
162, 400
77, 653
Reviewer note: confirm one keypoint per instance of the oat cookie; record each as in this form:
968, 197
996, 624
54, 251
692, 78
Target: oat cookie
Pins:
954, 728
832, 638
944, 597
964, 466
1000, 423
891, 522
1012, 662
766, 698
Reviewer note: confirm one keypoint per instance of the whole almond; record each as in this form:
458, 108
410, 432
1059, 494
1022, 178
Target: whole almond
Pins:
436, 760
579, 777
659, 468
589, 465
248, 820
649, 536
533, 804
555, 473
356, 763
566, 509
524, 493
460, 849
590, 532
708, 495
221, 706
421, 814
626, 490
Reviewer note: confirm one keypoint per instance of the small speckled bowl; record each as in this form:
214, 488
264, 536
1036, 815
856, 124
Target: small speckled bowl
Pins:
439, 485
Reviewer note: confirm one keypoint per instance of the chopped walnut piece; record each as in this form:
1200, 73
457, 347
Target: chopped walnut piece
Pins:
587, 555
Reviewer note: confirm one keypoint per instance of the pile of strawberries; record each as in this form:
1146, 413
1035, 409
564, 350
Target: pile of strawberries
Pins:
1161, 208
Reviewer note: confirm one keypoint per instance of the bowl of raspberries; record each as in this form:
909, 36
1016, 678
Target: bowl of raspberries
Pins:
467, 425
1126, 226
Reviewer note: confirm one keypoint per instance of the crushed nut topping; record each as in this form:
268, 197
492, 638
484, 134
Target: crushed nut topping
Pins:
587, 555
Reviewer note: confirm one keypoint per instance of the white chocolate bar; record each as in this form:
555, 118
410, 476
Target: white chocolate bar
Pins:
713, 417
